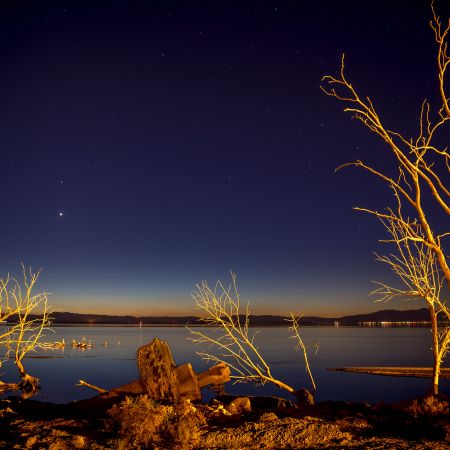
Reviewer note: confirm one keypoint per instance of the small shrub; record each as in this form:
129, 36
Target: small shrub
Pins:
429, 406
184, 424
143, 423
139, 421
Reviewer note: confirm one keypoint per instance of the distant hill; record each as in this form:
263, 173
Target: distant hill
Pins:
387, 315
68, 317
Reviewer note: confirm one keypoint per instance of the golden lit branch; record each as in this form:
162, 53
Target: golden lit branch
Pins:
442, 59
390, 181
295, 329
366, 113
229, 334
229, 337
414, 262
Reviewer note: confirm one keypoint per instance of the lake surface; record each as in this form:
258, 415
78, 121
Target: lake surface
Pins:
113, 360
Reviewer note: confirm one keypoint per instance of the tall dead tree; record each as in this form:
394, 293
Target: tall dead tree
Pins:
420, 178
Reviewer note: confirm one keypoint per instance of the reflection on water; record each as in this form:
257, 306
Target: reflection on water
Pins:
110, 360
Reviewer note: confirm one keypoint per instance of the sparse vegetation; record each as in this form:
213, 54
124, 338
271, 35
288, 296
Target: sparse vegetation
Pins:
143, 423
418, 180
184, 425
430, 406
229, 334
139, 421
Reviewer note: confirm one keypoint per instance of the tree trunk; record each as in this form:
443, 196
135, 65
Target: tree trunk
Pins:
29, 384
436, 375
157, 371
436, 357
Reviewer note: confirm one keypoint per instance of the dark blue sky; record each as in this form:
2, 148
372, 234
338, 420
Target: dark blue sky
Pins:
180, 140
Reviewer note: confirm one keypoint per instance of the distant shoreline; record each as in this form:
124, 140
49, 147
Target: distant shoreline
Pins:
260, 325
389, 317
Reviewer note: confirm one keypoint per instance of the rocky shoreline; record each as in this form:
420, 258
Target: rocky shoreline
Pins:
116, 421
163, 409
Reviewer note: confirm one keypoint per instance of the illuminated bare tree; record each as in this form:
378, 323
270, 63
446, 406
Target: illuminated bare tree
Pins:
28, 317
416, 266
419, 178
230, 337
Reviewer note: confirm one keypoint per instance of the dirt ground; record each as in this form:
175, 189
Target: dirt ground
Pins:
266, 423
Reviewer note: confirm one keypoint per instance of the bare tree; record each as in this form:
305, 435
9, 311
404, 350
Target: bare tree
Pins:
420, 177
28, 317
229, 334
416, 266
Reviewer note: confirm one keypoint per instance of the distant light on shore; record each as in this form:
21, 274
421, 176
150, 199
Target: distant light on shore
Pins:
395, 324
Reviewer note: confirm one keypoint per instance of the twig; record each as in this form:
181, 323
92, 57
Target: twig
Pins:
91, 386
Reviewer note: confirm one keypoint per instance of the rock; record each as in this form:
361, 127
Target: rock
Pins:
240, 405
268, 417
304, 397
220, 415
6, 412
260, 402
31, 441
445, 427
78, 441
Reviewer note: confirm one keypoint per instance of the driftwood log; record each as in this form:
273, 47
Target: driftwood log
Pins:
416, 372
158, 370
163, 380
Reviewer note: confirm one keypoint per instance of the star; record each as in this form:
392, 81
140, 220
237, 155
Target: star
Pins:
60, 214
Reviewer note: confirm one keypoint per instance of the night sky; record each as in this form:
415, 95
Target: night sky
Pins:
148, 145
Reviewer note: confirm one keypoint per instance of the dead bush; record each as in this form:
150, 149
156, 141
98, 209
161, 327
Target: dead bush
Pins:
143, 423
138, 421
430, 406
184, 424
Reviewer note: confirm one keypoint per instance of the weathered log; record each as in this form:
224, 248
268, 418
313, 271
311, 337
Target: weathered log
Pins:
157, 370
134, 387
416, 372
163, 380
91, 386
188, 387
218, 374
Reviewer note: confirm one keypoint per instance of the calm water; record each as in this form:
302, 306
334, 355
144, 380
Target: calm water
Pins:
115, 364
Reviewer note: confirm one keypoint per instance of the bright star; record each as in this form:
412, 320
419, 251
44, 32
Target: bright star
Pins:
60, 214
